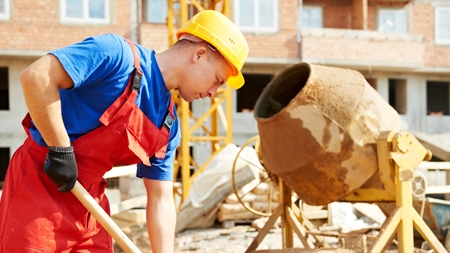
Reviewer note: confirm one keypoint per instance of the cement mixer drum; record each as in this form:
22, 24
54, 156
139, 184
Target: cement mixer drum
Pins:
318, 127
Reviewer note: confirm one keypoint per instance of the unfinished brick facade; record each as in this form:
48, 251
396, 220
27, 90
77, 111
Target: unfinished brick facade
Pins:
36, 25
349, 38
282, 44
335, 42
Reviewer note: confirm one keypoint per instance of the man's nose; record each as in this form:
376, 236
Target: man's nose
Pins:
212, 92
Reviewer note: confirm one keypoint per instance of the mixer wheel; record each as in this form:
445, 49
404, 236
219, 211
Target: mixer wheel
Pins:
419, 185
267, 178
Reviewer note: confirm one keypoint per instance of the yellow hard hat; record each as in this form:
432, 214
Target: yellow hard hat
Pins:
216, 29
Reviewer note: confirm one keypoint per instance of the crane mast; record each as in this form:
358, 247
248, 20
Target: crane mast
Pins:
194, 128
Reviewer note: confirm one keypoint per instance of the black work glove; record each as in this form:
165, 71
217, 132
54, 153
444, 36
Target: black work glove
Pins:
61, 167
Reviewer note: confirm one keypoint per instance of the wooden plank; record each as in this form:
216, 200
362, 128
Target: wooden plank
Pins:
315, 215
309, 225
301, 250
190, 213
129, 204
121, 171
434, 165
206, 220
244, 215
371, 211
434, 143
356, 242
231, 208
136, 216
437, 189
338, 235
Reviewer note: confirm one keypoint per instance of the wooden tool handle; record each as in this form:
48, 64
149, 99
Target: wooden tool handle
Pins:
103, 218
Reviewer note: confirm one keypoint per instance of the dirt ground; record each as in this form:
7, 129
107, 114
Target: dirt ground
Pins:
233, 240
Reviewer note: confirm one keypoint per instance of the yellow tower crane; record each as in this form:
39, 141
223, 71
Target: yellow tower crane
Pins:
206, 127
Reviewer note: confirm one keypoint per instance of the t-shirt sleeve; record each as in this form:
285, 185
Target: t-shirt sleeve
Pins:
95, 58
162, 169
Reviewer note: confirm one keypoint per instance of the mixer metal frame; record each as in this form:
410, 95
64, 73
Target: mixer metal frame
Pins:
292, 221
406, 153
399, 155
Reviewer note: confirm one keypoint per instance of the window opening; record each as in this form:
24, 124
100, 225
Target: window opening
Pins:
4, 163
397, 95
256, 15
392, 20
437, 98
442, 25
4, 88
156, 11
85, 11
311, 17
249, 93
4, 9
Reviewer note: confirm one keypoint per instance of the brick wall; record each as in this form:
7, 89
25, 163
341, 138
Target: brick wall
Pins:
423, 22
359, 14
282, 44
154, 36
339, 44
338, 14
35, 25
373, 7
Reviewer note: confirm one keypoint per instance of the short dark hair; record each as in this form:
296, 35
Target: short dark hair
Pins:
213, 51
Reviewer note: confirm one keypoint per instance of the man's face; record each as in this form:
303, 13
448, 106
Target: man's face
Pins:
204, 77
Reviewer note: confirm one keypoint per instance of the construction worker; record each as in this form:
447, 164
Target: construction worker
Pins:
106, 102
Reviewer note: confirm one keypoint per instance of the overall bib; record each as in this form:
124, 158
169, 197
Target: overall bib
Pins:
35, 217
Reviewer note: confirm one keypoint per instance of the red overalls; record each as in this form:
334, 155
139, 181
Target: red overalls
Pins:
35, 217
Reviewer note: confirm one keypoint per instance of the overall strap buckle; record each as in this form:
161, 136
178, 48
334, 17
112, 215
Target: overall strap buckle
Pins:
168, 121
136, 79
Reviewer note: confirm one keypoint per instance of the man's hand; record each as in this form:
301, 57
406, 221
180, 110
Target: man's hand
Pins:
61, 167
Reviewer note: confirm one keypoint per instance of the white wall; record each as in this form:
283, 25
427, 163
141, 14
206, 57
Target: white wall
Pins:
12, 134
416, 92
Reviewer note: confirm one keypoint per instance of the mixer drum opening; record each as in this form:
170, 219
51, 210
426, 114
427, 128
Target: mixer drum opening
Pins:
318, 127
276, 97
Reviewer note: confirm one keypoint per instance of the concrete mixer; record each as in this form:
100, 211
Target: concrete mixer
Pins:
329, 136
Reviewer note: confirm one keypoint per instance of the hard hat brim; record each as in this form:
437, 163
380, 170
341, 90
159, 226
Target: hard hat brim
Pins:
236, 81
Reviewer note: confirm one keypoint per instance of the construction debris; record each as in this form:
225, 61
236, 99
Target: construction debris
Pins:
438, 144
232, 211
191, 212
305, 251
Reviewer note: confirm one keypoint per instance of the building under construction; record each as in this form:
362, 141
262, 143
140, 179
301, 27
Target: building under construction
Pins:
401, 48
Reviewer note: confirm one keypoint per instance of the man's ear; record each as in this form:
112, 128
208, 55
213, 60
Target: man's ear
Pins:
199, 52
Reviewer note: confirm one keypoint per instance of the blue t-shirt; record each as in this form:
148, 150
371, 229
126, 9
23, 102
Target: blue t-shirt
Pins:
100, 68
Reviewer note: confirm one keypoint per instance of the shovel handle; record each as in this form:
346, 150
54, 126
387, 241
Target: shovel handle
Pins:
104, 219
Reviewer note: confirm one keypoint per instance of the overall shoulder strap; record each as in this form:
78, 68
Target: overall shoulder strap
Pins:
136, 78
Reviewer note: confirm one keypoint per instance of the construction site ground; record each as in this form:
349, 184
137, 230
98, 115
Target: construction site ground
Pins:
217, 236
231, 240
